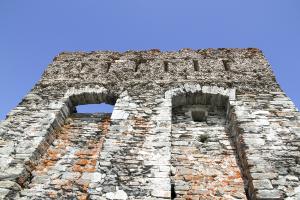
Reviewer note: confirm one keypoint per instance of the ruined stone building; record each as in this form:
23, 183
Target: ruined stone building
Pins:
205, 124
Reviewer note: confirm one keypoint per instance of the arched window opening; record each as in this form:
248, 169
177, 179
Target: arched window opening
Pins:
202, 148
199, 108
76, 145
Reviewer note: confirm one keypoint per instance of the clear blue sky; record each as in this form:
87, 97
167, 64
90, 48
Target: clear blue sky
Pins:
32, 32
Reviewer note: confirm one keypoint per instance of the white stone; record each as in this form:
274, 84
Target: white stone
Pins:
118, 195
110, 195
161, 193
97, 177
262, 122
119, 114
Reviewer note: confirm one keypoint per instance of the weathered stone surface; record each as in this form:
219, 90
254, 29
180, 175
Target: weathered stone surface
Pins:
244, 132
269, 194
69, 166
119, 194
205, 165
9, 185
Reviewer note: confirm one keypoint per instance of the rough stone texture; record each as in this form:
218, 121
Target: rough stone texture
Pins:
68, 168
250, 135
203, 157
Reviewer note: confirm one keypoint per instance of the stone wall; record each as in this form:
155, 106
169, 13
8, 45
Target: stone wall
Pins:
256, 140
68, 169
204, 157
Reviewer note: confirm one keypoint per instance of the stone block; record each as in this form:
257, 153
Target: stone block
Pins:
269, 195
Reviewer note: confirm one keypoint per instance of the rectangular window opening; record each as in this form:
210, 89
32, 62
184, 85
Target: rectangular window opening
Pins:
108, 67
138, 63
226, 65
196, 65
166, 66
173, 192
199, 116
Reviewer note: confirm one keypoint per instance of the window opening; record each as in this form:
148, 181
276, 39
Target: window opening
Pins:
138, 63
108, 66
196, 65
94, 108
166, 66
173, 192
226, 65
199, 116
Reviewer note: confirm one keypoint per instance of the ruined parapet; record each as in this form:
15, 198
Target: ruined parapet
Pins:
188, 124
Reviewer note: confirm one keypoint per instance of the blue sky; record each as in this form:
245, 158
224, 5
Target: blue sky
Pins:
32, 32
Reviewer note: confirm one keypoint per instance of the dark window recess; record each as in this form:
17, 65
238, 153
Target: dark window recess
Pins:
166, 66
83, 65
203, 138
173, 193
259, 77
196, 65
138, 63
226, 65
199, 116
108, 66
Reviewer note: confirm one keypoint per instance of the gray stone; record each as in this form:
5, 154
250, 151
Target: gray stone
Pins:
10, 185
4, 193
262, 184
269, 194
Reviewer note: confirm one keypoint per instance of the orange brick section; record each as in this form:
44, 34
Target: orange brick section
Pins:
203, 159
69, 165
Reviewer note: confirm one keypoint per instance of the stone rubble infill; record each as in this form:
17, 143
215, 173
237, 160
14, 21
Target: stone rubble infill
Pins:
69, 165
203, 158
134, 165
